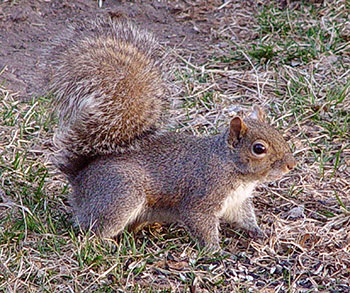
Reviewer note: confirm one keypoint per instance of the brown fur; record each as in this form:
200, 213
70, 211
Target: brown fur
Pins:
111, 97
109, 87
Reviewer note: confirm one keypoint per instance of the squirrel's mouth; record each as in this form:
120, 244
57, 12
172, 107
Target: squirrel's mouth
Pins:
273, 177
281, 168
276, 174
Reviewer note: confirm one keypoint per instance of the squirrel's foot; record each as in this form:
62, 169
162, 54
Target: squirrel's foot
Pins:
256, 233
204, 228
211, 247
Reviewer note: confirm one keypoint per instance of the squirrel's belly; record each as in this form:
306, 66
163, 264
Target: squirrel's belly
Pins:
232, 204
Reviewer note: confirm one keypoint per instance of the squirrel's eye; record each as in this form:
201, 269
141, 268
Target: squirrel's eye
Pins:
259, 149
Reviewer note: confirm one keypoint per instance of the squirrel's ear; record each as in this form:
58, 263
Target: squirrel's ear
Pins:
237, 130
258, 114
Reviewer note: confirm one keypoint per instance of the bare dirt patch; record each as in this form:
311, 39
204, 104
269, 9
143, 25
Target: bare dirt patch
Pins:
27, 27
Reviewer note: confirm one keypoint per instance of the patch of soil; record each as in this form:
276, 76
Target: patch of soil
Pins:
27, 27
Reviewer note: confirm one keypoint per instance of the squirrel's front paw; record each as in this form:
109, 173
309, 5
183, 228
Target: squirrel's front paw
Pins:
209, 247
256, 233
213, 247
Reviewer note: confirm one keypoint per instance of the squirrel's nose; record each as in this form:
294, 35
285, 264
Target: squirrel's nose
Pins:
290, 162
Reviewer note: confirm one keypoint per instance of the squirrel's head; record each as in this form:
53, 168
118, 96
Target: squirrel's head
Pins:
259, 149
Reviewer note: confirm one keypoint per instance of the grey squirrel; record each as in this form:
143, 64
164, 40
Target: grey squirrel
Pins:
124, 168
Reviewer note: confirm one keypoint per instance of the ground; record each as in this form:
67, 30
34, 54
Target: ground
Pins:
292, 58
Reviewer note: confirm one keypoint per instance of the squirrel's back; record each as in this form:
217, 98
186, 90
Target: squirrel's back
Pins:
109, 84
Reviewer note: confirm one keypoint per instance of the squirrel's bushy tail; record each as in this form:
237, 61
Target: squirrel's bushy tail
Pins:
108, 79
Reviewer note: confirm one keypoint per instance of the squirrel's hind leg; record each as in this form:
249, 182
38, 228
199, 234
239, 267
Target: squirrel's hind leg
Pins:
108, 197
110, 210
125, 212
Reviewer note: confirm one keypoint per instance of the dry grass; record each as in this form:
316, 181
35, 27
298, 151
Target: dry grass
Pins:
295, 62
